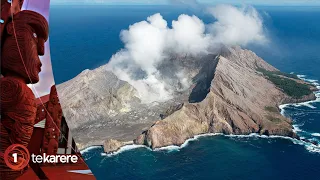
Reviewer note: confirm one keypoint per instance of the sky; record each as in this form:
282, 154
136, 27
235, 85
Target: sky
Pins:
46, 76
156, 2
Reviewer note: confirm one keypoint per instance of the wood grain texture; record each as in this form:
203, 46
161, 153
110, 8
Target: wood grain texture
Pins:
53, 124
31, 32
6, 10
20, 65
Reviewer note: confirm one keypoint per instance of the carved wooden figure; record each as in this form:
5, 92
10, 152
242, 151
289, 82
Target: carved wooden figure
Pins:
53, 124
8, 8
22, 40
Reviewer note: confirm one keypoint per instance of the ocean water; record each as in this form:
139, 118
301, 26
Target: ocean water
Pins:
86, 37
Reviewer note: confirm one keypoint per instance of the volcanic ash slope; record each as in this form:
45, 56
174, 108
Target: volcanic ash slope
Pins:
230, 95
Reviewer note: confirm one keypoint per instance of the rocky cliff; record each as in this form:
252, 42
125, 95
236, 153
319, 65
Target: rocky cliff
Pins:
241, 100
230, 94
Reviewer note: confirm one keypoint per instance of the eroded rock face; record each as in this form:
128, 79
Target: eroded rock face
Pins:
236, 104
111, 145
99, 106
229, 95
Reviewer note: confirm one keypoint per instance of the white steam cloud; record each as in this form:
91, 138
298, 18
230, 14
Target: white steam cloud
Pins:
237, 26
150, 43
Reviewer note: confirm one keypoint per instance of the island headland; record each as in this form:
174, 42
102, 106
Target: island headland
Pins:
231, 92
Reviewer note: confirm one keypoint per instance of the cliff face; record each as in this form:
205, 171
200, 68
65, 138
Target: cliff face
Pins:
99, 106
229, 95
240, 101
92, 103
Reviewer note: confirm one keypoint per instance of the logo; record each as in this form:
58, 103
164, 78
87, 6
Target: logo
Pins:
17, 157
69, 158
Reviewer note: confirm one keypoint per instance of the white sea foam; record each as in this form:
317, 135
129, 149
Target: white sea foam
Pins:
301, 76
86, 150
313, 148
185, 144
259, 136
170, 148
309, 146
316, 134
173, 148
296, 127
125, 148
313, 81
282, 108
307, 103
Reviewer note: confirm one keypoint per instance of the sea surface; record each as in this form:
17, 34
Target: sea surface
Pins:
86, 37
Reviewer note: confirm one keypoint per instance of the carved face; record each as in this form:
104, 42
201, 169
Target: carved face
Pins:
31, 30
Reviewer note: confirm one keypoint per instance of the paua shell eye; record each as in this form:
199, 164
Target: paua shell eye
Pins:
35, 35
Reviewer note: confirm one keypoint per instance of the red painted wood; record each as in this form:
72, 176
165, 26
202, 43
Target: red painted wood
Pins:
7, 9
31, 29
20, 65
53, 124
62, 172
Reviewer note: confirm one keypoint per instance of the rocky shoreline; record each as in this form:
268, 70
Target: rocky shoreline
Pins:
192, 119
229, 95
112, 146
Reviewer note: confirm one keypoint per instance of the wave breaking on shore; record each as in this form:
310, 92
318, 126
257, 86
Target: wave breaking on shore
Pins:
308, 145
173, 148
297, 127
307, 103
125, 148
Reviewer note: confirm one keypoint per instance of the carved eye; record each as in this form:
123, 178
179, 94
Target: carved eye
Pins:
35, 35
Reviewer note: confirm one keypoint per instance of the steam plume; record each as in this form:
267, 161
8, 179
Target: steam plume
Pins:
150, 43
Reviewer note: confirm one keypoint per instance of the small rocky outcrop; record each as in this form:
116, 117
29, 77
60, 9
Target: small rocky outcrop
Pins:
111, 145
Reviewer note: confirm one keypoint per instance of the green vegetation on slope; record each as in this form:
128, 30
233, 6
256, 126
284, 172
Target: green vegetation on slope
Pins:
267, 73
271, 109
293, 76
289, 86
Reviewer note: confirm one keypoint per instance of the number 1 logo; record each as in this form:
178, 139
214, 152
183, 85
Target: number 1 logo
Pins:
17, 157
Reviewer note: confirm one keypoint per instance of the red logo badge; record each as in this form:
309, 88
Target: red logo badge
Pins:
17, 157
